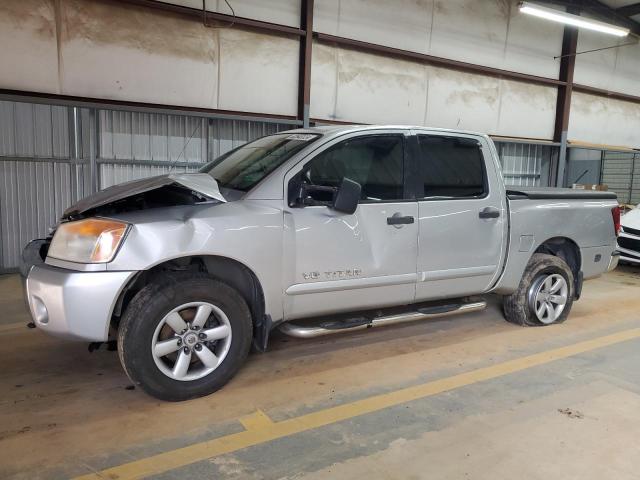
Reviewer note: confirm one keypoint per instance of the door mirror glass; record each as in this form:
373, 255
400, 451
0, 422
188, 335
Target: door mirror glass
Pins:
347, 197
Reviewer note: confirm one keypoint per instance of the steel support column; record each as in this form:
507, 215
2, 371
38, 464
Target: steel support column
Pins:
304, 67
563, 103
94, 136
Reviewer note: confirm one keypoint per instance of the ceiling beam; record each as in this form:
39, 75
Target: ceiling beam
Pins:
602, 12
629, 10
397, 53
204, 17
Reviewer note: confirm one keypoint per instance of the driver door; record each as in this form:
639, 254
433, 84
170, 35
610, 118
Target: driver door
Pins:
338, 262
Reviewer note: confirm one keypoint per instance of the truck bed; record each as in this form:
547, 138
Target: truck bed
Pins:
549, 193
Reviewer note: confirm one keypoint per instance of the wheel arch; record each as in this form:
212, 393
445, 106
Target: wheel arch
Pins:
564, 248
228, 270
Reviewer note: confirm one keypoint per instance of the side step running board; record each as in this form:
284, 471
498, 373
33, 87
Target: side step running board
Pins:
362, 323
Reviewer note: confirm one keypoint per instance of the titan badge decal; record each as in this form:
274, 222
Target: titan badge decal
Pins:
333, 275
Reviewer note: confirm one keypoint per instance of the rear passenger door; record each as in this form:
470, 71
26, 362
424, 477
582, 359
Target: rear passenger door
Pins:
462, 215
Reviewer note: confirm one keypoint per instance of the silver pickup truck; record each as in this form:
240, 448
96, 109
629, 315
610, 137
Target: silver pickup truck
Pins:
314, 231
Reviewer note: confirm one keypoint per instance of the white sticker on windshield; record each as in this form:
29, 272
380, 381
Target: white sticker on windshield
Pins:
301, 136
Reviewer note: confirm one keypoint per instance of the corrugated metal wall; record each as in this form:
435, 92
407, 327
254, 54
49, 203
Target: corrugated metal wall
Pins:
38, 176
51, 156
525, 164
584, 165
621, 172
135, 145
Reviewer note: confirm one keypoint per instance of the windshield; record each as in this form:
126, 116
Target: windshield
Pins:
244, 167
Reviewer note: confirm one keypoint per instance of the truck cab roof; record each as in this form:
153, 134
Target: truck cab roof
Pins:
338, 129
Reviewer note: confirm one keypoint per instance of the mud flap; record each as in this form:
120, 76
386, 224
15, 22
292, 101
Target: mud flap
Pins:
261, 334
578, 285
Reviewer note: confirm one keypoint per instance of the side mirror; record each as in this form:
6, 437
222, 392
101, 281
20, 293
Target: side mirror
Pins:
347, 197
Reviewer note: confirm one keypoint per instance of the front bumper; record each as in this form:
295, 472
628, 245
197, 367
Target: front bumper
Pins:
73, 305
629, 246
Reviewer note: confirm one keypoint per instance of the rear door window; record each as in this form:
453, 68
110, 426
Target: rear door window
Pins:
450, 167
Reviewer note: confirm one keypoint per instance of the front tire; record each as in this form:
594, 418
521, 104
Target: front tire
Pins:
545, 294
184, 336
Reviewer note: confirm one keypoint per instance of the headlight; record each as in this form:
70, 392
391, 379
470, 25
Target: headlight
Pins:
93, 240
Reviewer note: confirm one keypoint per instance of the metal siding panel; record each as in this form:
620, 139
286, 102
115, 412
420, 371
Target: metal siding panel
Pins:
6, 213
7, 128
141, 136
635, 186
241, 133
84, 141
524, 164
112, 174
617, 171
225, 136
122, 136
33, 194
193, 141
60, 131
42, 131
175, 137
159, 137
105, 129
32, 198
24, 130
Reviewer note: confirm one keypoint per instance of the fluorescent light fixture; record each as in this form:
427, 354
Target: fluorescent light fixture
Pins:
569, 19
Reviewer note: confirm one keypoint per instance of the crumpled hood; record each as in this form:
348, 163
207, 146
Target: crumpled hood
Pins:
631, 219
202, 183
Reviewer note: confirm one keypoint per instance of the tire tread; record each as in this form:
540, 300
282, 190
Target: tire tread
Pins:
516, 306
169, 287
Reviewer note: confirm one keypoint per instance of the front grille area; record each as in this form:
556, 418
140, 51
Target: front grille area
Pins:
631, 231
629, 243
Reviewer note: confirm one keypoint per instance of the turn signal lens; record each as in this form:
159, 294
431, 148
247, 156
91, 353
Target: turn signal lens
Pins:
93, 240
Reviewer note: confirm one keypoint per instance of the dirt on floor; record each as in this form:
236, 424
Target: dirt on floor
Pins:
61, 404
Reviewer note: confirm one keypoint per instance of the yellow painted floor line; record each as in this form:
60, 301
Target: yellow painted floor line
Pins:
261, 431
256, 420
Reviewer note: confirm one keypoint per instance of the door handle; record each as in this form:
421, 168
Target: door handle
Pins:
398, 219
489, 212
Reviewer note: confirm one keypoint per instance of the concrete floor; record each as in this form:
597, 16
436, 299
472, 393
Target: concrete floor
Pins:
466, 397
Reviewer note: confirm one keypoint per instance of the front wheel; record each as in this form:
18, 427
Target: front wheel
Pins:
184, 336
545, 294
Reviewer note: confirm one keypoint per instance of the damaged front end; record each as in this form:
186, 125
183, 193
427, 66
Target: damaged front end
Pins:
155, 192
162, 191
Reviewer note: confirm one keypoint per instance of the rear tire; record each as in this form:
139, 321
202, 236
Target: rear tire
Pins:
184, 336
545, 294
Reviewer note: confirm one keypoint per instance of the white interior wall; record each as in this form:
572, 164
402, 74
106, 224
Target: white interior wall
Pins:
136, 54
604, 121
284, 12
485, 32
354, 86
142, 55
129, 56
28, 56
615, 69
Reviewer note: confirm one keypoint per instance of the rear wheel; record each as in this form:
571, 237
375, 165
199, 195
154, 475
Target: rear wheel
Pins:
184, 336
545, 294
